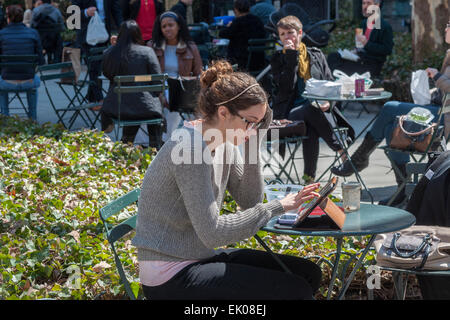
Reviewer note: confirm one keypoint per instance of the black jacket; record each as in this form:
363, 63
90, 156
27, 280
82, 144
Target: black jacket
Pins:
135, 106
241, 30
130, 8
112, 12
380, 42
284, 68
430, 200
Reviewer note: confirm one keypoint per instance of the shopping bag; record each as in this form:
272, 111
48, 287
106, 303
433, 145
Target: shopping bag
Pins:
72, 55
96, 31
348, 82
420, 88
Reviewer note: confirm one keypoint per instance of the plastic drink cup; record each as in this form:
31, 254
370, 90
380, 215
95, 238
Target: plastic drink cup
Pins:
351, 194
358, 44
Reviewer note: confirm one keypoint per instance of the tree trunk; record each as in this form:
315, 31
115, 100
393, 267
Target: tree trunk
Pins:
428, 20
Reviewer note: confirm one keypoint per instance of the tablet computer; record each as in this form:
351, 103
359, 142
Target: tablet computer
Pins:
323, 194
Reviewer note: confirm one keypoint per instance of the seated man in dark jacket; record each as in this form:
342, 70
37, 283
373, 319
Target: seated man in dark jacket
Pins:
377, 45
291, 68
244, 27
17, 39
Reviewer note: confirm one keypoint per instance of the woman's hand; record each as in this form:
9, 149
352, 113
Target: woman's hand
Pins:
295, 200
361, 38
90, 12
431, 72
325, 106
289, 45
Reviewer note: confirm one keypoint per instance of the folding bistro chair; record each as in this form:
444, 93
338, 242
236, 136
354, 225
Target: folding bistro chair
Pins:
19, 62
94, 55
138, 83
438, 141
61, 72
117, 232
255, 46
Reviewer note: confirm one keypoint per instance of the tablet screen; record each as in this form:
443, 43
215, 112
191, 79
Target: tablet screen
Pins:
324, 192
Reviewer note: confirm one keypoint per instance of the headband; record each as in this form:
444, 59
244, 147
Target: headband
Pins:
169, 14
239, 94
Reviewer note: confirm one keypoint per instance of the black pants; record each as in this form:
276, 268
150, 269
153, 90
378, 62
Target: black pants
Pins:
129, 133
317, 125
94, 93
242, 274
53, 45
350, 67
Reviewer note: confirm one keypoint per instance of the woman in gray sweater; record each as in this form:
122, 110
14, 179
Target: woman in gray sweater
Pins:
179, 225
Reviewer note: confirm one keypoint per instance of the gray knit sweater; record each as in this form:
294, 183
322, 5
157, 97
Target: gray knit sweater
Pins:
178, 212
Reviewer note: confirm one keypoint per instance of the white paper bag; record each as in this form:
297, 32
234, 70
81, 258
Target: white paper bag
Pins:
420, 88
96, 31
323, 88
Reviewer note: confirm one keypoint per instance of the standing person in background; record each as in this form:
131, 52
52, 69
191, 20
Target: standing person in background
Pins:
49, 22
144, 12
245, 26
29, 5
177, 54
181, 8
106, 9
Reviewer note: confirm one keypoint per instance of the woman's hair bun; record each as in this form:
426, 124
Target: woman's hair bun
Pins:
214, 72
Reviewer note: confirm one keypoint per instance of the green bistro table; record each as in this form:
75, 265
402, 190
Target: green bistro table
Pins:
345, 146
370, 220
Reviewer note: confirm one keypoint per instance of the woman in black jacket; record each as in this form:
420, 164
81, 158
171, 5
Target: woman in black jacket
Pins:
129, 56
291, 68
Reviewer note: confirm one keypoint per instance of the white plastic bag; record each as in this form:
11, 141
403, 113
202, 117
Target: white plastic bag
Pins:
420, 88
96, 31
323, 88
348, 82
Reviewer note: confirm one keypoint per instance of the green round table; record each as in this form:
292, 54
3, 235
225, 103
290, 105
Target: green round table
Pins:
370, 219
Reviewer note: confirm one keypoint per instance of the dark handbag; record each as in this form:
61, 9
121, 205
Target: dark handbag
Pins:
183, 93
410, 135
286, 129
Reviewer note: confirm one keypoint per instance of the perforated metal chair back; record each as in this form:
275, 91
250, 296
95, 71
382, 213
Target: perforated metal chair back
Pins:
117, 232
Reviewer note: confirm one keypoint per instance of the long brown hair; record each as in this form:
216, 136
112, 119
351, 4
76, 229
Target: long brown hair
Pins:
219, 83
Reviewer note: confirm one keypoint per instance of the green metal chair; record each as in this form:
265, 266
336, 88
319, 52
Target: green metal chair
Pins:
265, 46
19, 62
437, 142
94, 55
59, 72
117, 232
133, 84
